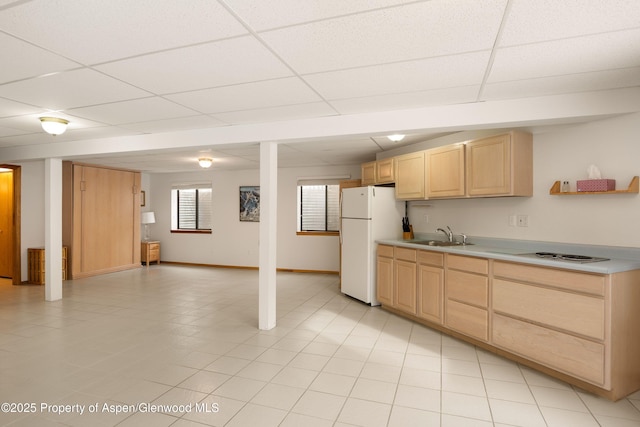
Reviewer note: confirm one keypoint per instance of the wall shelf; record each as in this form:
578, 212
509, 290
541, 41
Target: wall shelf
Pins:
634, 187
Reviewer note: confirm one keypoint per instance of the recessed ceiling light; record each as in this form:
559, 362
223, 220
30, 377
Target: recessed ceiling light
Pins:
396, 137
205, 162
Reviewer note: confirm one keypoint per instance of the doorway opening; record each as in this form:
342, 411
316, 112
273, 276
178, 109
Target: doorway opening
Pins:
10, 261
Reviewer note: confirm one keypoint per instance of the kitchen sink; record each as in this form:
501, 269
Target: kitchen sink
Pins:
441, 243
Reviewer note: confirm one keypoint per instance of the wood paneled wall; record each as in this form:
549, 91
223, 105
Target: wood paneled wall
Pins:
101, 219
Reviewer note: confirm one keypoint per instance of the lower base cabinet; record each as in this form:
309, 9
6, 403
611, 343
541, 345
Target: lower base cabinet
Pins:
575, 356
580, 327
431, 286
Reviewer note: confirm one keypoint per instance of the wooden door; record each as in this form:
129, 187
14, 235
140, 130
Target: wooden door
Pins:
6, 224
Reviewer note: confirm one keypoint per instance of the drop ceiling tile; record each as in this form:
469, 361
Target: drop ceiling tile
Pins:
133, 111
543, 20
288, 112
420, 75
262, 15
415, 31
28, 60
249, 96
571, 83
7, 131
70, 89
401, 101
10, 108
94, 31
172, 125
208, 65
568, 56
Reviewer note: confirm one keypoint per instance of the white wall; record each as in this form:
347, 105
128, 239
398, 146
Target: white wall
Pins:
562, 154
233, 242
559, 154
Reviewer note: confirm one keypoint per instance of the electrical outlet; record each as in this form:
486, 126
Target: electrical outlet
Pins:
523, 220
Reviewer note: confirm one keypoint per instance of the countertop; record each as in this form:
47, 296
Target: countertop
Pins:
621, 258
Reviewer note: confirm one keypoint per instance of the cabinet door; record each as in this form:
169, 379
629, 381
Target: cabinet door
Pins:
489, 166
384, 279
445, 171
384, 171
430, 293
410, 176
405, 286
368, 173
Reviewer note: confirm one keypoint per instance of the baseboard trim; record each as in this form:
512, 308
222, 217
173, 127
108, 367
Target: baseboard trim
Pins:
246, 267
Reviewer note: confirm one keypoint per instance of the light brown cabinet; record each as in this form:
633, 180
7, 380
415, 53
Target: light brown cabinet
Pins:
385, 171
150, 252
410, 173
564, 325
445, 171
577, 326
384, 275
101, 219
500, 165
368, 173
467, 296
404, 280
378, 172
430, 286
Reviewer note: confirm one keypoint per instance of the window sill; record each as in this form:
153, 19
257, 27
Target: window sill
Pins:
317, 233
191, 231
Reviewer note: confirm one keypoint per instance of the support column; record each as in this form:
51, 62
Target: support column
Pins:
268, 235
53, 229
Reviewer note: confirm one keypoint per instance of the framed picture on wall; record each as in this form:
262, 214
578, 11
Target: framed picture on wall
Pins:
250, 203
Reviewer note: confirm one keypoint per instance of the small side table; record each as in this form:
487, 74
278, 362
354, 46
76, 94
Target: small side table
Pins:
150, 252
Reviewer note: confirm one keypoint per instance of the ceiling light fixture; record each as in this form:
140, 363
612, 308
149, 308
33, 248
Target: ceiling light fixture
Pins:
205, 162
54, 125
396, 137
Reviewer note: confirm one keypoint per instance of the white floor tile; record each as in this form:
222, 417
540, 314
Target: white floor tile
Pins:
364, 413
187, 335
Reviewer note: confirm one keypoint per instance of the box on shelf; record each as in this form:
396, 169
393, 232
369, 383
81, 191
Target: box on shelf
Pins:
596, 185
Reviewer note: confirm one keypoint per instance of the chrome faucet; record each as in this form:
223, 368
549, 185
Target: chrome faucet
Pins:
449, 233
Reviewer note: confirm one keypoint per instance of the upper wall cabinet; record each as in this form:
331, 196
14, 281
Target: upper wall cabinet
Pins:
410, 170
500, 165
385, 171
378, 172
445, 171
368, 173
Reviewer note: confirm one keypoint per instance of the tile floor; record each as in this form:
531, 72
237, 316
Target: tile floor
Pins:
180, 347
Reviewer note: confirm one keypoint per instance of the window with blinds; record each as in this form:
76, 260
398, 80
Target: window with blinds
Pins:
319, 207
191, 208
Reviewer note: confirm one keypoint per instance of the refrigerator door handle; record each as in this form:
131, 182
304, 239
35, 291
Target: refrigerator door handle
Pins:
340, 222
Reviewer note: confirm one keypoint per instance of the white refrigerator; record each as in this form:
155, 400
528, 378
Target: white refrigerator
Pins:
367, 214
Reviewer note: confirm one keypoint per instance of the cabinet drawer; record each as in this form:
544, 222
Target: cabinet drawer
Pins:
571, 280
405, 254
472, 321
469, 288
385, 251
431, 258
154, 254
465, 263
571, 312
566, 353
